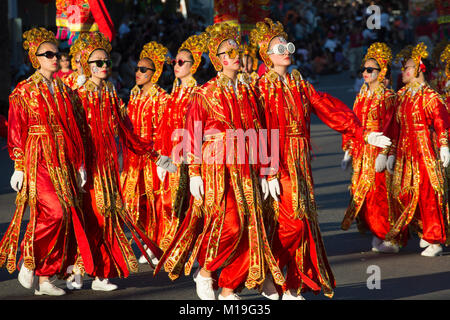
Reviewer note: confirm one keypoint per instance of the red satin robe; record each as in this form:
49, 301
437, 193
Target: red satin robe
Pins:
292, 223
140, 183
45, 143
175, 195
225, 230
370, 198
419, 129
102, 118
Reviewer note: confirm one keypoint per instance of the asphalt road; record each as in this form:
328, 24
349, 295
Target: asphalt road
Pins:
405, 275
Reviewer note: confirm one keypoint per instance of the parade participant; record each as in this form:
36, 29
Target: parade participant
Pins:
444, 82
103, 205
64, 67
370, 199
46, 146
76, 78
224, 230
250, 61
418, 185
174, 193
437, 77
293, 226
140, 183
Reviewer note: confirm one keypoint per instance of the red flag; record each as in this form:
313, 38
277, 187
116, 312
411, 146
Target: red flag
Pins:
101, 16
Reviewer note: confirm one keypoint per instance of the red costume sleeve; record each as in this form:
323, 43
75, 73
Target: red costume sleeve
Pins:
195, 120
17, 130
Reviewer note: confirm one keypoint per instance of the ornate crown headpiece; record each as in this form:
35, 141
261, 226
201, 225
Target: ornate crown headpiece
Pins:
216, 34
158, 54
445, 58
252, 51
404, 54
33, 39
382, 54
75, 49
89, 43
196, 45
418, 53
261, 36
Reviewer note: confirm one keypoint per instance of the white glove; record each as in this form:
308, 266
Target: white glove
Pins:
380, 163
445, 156
377, 139
196, 187
161, 173
274, 189
264, 187
390, 164
81, 80
82, 177
166, 163
346, 161
17, 180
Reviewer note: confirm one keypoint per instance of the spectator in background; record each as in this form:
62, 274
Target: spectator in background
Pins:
64, 67
355, 51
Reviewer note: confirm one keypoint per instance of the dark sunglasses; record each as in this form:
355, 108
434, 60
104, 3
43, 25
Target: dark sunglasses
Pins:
143, 69
100, 63
232, 53
369, 69
50, 55
180, 62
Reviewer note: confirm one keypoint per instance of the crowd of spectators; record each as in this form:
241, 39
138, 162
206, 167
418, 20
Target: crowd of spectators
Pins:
330, 36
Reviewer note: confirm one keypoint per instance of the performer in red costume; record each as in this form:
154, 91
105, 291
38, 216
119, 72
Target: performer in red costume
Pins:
175, 195
76, 78
292, 222
419, 131
224, 229
103, 115
370, 198
46, 146
140, 184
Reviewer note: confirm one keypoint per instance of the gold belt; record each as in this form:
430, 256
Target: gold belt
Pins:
40, 129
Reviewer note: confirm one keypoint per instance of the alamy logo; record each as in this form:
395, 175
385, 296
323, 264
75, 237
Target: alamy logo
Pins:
374, 19
374, 280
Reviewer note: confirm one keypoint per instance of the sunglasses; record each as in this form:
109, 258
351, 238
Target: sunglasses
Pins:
281, 48
180, 62
100, 63
232, 53
50, 55
369, 69
142, 69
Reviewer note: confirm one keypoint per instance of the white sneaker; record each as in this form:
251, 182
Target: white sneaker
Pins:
204, 286
386, 247
432, 250
375, 243
74, 281
50, 289
232, 296
269, 291
26, 277
103, 285
153, 258
287, 296
424, 243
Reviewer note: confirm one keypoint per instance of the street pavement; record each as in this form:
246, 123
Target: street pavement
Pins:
406, 275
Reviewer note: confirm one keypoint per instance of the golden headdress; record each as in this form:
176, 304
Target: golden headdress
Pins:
158, 54
33, 39
75, 49
445, 58
216, 34
196, 45
438, 50
89, 43
418, 53
261, 36
382, 54
404, 54
252, 51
